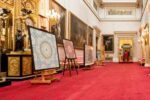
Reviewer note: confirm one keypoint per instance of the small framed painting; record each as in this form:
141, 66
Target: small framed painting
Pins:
69, 49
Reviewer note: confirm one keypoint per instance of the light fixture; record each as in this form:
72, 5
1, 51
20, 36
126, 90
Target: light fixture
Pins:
54, 15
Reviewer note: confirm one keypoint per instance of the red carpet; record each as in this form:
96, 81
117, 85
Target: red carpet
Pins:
109, 82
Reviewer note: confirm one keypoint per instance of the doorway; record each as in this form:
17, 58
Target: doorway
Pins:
125, 50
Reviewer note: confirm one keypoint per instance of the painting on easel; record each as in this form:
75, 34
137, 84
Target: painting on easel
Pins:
44, 49
69, 49
70, 56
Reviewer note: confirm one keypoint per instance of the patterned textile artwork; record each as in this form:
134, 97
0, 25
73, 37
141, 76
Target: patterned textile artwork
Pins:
44, 49
69, 49
88, 55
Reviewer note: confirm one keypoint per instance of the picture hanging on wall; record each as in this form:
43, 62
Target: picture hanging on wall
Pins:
78, 31
90, 36
44, 49
58, 27
88, 55
69, 48
43, 23
108, 41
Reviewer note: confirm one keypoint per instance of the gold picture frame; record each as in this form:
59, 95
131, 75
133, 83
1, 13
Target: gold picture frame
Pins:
108, 41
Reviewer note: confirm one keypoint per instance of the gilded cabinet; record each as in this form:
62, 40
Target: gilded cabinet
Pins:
19, 66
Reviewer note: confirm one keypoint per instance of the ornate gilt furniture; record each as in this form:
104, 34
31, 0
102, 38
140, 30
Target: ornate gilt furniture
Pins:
19, 66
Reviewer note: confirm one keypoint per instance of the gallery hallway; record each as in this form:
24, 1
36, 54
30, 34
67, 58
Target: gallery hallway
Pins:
110, 82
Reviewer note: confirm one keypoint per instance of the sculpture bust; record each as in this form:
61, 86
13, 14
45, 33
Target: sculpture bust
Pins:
19, 41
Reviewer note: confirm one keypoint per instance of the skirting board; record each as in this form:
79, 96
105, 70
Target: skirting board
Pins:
20, 78
147, 65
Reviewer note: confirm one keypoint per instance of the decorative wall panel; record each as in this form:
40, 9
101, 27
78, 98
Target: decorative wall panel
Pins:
14, 66
27, 66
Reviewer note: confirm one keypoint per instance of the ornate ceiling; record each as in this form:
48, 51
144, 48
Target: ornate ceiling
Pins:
135, 3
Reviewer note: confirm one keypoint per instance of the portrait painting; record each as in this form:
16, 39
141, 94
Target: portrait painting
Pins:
58, 27
69, 49
78, 31
108, 41
44, 49
88, 55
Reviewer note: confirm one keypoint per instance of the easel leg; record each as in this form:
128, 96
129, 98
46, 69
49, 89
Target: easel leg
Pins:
42, 80
69, 65
76, 67
64, 68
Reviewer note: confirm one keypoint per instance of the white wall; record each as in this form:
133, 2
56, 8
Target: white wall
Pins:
81, 10
146, 20
145, 17
110, 27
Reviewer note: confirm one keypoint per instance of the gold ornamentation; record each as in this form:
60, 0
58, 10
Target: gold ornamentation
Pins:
10, 2
27, 65
13, 66
29, 5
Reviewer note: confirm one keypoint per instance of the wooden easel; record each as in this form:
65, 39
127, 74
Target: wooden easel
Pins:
43, 79
69, 62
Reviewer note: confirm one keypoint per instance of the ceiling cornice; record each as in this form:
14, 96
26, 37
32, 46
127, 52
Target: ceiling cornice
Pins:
119, 4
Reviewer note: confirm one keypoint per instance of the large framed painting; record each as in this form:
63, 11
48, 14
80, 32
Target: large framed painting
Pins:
78, 31
44, 49
88, 55
108, 41
90, 36
58, 27
69, 49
